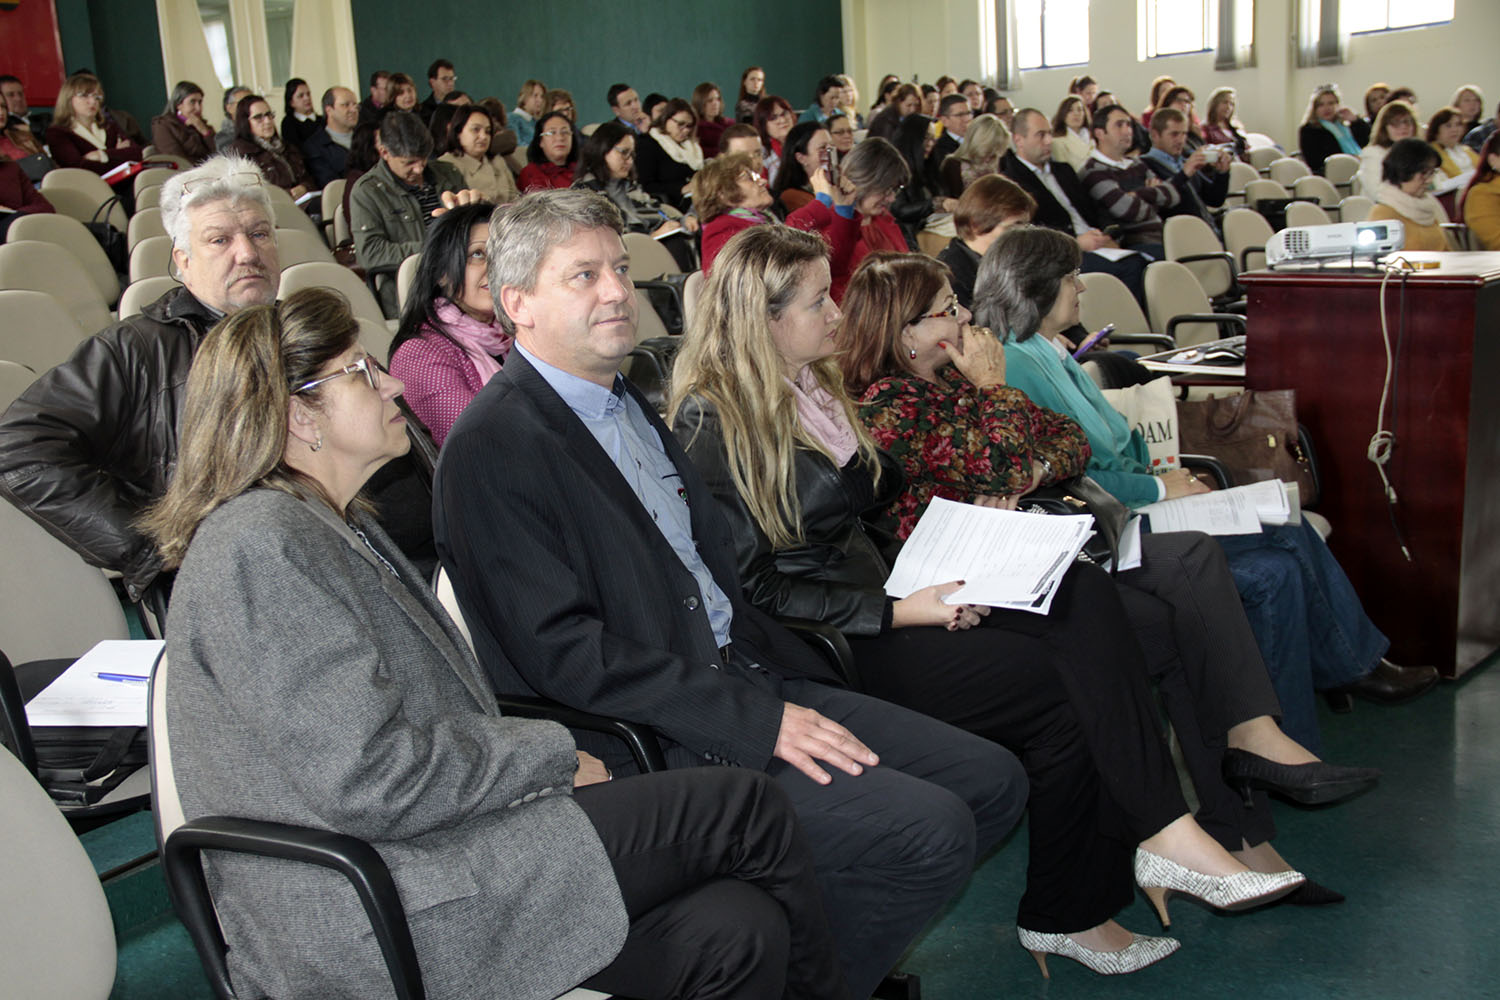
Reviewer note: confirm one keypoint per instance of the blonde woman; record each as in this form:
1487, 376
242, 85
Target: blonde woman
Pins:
986, 141
81, 134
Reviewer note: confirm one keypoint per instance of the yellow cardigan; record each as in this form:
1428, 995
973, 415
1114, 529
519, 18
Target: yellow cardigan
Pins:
1446, 162
1482, 212
1417, 237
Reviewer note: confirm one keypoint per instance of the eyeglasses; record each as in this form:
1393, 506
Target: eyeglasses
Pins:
624, 154
96, 96
752, 177
366, 366
779, 116
264, 116
244, 178
556, 131
680, 123
841, 131
965, 113
951, 311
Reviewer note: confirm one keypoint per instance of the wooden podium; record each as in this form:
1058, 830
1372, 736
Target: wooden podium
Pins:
1319, 332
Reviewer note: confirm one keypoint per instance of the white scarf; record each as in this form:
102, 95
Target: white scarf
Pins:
688, 153
93, 133
1421, 209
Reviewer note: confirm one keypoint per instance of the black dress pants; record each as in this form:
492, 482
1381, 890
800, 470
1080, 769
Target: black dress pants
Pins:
1067, 693
719, 884
1208, 668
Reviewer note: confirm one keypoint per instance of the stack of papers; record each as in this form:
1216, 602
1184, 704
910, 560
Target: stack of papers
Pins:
106, 687
1224, 358
1008, 559
1238, 511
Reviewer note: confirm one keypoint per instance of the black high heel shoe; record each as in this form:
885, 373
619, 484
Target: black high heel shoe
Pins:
1311, 784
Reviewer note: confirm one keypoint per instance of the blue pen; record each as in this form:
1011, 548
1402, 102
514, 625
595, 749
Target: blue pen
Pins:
128, 678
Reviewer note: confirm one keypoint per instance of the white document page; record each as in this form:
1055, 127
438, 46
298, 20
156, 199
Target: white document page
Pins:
106, 687
1130, 544
1222, 512
1112, 253
1007, 557
1272, 503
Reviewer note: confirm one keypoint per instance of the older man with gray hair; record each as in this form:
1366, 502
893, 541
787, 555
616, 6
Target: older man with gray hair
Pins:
92, 442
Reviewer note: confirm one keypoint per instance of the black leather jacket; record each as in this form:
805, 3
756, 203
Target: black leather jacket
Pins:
837, 575
93, 442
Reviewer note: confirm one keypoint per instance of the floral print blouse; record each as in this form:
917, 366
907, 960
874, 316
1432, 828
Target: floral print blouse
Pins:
961, 441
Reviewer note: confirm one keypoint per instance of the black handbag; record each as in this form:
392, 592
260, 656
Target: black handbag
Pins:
110, 238
1082, 495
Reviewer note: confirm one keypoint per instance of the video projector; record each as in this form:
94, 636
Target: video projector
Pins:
1341, 239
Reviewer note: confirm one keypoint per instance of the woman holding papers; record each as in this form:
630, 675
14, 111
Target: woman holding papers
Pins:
758, 403
1306, 617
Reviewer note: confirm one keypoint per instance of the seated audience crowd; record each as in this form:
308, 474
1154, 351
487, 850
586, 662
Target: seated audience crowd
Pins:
882, 316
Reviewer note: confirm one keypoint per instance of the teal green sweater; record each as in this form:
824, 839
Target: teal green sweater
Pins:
1119, 460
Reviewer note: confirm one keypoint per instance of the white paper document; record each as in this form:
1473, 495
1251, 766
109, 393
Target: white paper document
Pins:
1276, 502
1112, 253
106, 687
1008, 559
1222, 512
1129, 553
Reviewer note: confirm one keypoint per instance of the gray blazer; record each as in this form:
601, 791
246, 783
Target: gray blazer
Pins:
311, 686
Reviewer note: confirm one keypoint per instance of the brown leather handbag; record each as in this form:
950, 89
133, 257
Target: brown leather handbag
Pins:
1254, 434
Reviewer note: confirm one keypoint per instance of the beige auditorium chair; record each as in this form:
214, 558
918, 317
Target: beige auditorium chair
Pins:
1340, 169
1263, 189
1106, 300
144, 292
648, 258
1313, 186
326, 274
297, 246
81, 193
151, 258
333, 198
47, 267
288, 215
376, 339
149, 198
15, 378
1286, 170
1355, 208
146, 222
70, 234
1262, 158
692, 291
1179, 309
406, 274
151, 177
1305, 213
1245, 234
1193, 242
38, 331
1240, 174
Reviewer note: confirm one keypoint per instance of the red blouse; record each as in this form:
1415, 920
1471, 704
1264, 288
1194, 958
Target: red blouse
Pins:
545, 175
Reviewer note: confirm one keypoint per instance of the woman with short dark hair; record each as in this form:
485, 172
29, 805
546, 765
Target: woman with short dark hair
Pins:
299, 119
1072, 140
180, 129
773, 119
802, 156
988, 207
1405, 174
552, 155
667, 157
906, 100
827, 97
1445, 134
607, 164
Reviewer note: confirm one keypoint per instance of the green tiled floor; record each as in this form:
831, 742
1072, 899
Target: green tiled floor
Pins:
1417, 858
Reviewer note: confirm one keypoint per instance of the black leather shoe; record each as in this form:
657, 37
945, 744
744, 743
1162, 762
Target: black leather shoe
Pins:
1310, 784
1390, 684
1310, 893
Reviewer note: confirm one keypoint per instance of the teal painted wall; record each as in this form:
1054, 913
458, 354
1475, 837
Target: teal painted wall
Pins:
584, 46
119, 40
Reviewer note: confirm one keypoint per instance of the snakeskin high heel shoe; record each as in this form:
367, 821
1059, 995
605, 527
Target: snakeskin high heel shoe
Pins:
1141, 952
1158, 876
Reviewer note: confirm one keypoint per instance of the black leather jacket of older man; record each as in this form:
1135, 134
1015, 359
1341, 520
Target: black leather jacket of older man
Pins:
93, 442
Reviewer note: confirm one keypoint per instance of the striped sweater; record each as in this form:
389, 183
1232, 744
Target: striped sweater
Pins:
1130, 202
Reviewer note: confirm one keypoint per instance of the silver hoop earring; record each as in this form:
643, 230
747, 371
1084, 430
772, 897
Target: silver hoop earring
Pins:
318, 444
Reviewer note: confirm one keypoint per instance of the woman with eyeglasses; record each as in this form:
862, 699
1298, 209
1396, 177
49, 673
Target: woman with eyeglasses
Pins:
773, 120
841, 129
759, 405
82, 135
667, 157
1405, 175
552, 155
1393, 122
854, 215
730, 195
608, 165
315, 680
257, 140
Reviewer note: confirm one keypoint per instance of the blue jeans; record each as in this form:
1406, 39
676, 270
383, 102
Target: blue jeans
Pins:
1309, 624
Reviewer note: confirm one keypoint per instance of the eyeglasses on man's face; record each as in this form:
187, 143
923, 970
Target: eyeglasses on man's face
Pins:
366, 366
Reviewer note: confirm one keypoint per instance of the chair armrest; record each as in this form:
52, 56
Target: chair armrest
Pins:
1223, 255
829, 643
639, 739
1160, 339
15, 731
1232, 319
1304, 441
1245, 256
351, 857
372, 273
657, 353
1211, 465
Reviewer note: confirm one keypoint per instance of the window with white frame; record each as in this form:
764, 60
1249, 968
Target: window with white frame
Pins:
1359, 16
1175, 27
1051, 33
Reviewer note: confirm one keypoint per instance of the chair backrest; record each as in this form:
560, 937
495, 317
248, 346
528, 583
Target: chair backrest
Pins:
1106, 300
288, 215
79, 193
70, 234
1240, 174
52, 603
297, 246
149, 198
15, 378
1171, 290
1256, 190
341, 232
1305, 213
166, 802
648, 258
47, 267
325, 274
1340, 168
1243, 228
1357, 185
1286, 170
152, 155
1188, 235
648, 322
38, 331
56, 935
1313, 186
333, 199
376, 338
145, 223
1355, 208
692, 289
405, 275
1262, 158
589, 128
443, 588
151, 258
144, 291
151, 177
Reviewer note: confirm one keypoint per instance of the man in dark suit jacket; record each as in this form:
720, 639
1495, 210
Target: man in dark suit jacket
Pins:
595, 568
326, 151
1062, 203
955, 114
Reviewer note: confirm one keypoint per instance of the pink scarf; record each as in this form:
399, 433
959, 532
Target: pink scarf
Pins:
482, 342
822, 416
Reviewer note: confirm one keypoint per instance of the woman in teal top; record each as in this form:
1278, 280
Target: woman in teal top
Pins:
1306, 617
